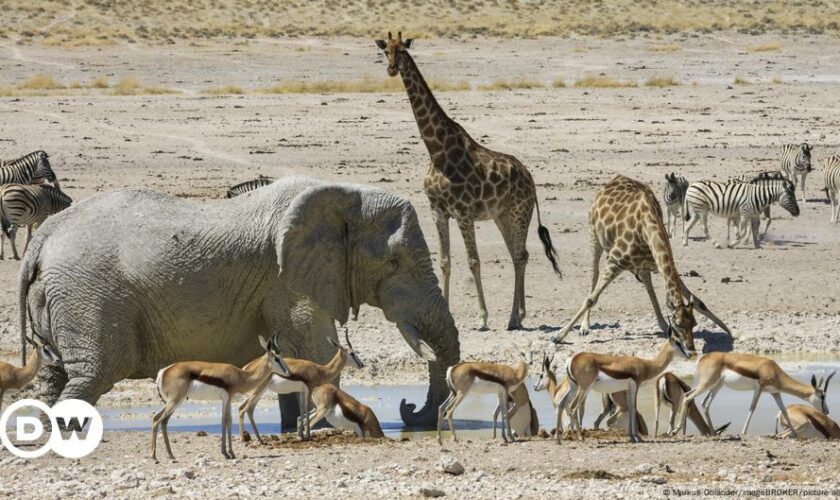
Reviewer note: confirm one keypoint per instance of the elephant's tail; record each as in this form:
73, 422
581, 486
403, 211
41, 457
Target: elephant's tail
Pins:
28, 271
545, 238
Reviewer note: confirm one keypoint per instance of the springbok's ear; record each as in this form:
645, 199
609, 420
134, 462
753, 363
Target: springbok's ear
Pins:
263, 343
382, 44
814, 382
407, 42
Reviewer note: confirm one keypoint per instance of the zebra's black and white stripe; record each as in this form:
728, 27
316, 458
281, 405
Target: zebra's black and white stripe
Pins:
796, 163
761, 176
33, 168
27, 205
831, 174
251, 185
740, 201
673, 195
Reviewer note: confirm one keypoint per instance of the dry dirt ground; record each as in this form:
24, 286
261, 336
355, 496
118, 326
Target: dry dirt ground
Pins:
781, 299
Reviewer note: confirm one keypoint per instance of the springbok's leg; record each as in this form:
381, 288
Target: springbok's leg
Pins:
632, 389
442, 411
707, 402
703, 385
778, 398
753, 404
450, 414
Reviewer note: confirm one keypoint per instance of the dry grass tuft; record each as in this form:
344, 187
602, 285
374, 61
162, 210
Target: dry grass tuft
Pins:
224, 90
671, 47
777, 81
740, 80
41, 81
765, 47
505, 84
364, 85
603, 82
558, 83
130, 86
99, 83
661, 81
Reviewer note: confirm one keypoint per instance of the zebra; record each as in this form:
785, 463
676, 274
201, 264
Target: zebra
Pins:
766, 175
33, 168
831, 173
27, 205
796, 161
742, 201
244, 187
673, 195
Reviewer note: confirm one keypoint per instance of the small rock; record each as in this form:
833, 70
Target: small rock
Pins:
432, 492
201, 433
189, 474
451, 466
340, 484
644, 468
543, 433
246, 437
655, 479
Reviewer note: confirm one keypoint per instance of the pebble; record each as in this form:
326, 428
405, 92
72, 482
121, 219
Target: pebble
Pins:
451, 466
432, 492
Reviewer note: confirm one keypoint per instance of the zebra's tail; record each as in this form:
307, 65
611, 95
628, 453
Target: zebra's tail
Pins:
686, 216
545, 238
5, 223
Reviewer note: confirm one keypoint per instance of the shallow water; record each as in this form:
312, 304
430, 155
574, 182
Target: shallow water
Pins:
473, 416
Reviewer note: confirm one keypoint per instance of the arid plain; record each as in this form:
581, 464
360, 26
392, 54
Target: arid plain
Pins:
576, 110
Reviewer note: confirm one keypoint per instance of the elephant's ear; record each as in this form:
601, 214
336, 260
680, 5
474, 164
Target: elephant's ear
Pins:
313, 246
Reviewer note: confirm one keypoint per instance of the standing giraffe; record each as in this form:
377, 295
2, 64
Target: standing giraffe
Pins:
470, 183
626, 221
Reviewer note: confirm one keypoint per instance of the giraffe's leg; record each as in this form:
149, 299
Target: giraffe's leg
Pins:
515, 232
701, 307
468, 232
611, 271
442, 225
597, 249
644, 276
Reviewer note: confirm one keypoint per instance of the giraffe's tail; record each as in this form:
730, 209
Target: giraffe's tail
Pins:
545, 238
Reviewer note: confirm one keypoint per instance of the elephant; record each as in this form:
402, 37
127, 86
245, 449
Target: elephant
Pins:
127, 282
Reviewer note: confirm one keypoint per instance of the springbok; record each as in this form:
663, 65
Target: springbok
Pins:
809, 424
610, 374
13, 379
478, 377
203, 380
744, 372
615, 409
343, 411
303, 376
524, 422
669, 390
558, 393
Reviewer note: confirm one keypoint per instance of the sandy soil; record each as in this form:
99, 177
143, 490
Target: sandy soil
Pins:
781, 299
605, 467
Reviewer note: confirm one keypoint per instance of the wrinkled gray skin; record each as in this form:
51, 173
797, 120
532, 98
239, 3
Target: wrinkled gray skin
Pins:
130, 281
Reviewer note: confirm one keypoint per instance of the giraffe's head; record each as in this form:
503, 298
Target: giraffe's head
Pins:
395, 49
683, 323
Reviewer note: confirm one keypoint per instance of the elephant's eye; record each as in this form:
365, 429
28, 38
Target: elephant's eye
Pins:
395, 263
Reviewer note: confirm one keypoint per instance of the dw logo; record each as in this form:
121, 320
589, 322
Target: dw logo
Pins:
76, 428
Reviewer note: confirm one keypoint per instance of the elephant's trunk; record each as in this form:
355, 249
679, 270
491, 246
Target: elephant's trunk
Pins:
437, 329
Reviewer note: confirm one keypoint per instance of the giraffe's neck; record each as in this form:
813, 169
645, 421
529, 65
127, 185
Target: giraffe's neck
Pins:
435, 126
660, 247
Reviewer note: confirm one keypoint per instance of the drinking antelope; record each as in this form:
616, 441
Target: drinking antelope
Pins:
615, 409
303, 376
343, 411
13, 379
482, 378
611, 374
203, 380
524, 422
670, 390
744, 372
809, 424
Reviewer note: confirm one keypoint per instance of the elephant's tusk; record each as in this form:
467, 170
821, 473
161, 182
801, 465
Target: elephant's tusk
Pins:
412, 337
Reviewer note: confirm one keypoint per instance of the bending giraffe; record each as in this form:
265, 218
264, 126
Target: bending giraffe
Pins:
470, 183
625, 220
